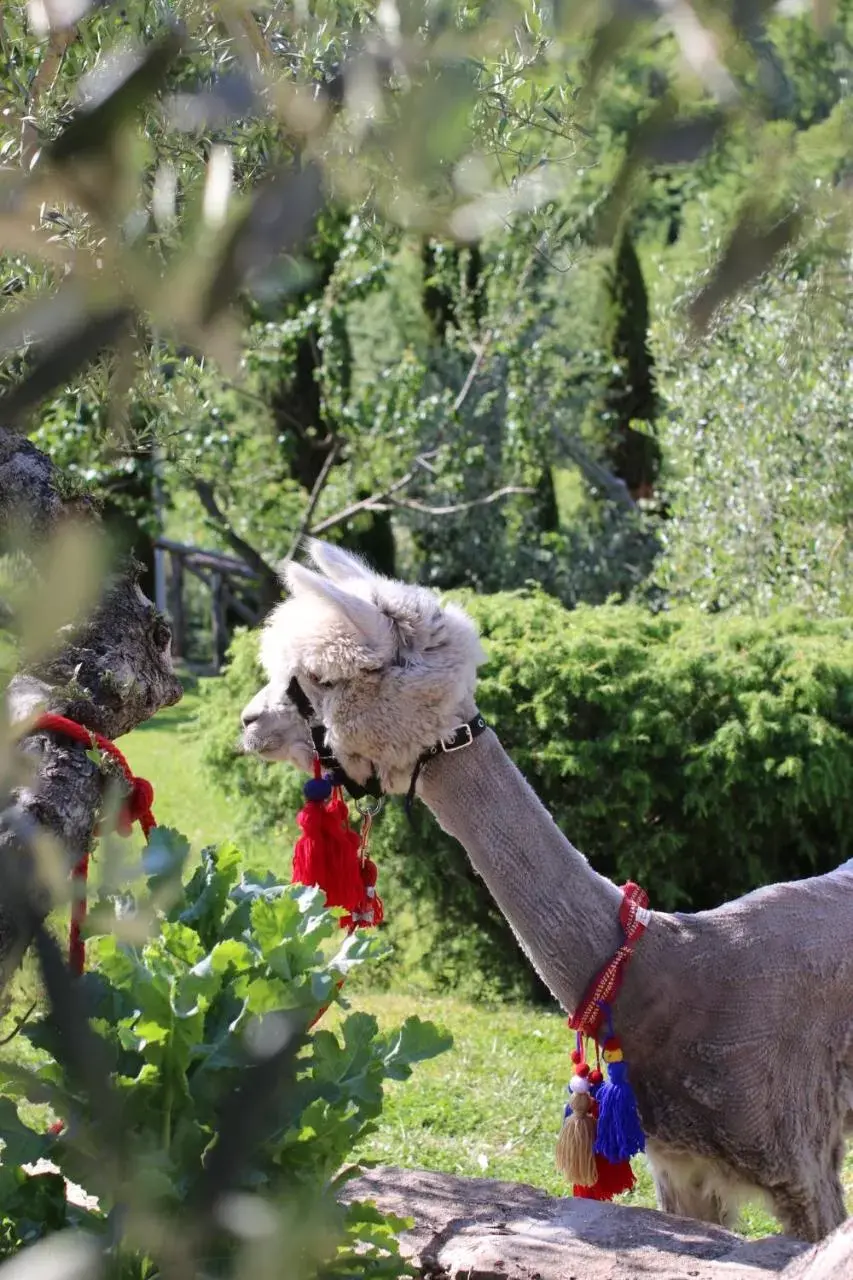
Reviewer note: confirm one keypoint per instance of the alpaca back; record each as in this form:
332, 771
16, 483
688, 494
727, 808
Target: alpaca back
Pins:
748, 1034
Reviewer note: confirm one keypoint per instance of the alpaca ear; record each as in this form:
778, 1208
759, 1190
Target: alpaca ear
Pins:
372, 625
337, 564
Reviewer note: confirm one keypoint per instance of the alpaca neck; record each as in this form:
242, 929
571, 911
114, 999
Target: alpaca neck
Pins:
565, 915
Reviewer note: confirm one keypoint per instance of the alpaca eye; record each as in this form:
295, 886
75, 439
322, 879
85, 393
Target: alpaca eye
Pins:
315, 679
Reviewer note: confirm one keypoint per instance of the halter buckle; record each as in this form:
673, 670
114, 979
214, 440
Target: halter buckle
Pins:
448, 745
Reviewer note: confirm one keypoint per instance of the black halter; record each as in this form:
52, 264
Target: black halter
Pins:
305, 707
461, 737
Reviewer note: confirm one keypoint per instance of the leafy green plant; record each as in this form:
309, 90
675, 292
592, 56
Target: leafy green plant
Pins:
701, 755
196, 1108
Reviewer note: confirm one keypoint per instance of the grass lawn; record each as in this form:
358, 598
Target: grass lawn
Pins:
166, 751
491, 1106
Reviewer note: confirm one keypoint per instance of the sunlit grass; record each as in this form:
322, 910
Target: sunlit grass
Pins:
167, 751
491, 1106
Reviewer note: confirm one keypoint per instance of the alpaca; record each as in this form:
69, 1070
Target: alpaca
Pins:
737, 1022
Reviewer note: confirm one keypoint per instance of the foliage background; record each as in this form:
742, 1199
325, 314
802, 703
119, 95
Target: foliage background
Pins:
543, 304
600, 183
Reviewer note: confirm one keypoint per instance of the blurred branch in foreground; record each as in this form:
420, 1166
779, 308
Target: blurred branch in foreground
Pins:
108, 672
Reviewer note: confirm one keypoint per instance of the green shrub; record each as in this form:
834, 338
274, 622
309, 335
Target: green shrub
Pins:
193, 1086
701, 755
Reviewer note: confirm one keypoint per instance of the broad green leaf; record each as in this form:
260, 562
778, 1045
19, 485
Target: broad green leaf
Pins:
164, 857
275, 921
270, 993
21, 1145
149, 1033
232, 953
415, 1041
206, 898
181, 942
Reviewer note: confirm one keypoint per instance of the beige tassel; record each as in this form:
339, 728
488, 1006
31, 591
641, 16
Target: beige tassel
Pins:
575, 1155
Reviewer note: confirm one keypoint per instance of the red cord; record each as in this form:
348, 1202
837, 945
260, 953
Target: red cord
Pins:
136, 808
604, 988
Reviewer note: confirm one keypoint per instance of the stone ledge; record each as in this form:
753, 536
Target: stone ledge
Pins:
481, 1229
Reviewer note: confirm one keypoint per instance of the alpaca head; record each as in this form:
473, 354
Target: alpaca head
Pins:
388, 669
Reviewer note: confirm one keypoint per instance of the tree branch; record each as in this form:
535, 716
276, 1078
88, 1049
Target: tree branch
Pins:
610, 485
44, 79
270, 588
387, 500
110, 674
370, 504
471, 375
316, 493
454, 508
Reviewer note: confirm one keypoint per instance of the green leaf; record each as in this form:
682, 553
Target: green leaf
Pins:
206, 898
164, 858
182, 942
21, 1145
415, 1041
268, 994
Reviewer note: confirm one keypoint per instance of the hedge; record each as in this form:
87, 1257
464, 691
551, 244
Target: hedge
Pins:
701, 755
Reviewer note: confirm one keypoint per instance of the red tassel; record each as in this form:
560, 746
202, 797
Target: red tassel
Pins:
343, 885
369, 875
326, 854
612, 1180
370, 911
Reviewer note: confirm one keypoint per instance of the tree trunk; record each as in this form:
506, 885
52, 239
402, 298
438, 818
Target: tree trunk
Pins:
308, 437
113, 672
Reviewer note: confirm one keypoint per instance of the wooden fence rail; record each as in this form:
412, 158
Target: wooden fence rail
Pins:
232, 585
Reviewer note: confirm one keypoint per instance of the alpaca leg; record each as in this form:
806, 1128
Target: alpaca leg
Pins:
693, 1187
811, 1215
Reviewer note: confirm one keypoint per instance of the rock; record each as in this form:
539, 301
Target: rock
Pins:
832, 1259
480, 1229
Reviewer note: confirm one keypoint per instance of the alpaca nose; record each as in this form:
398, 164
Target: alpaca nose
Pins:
248, 717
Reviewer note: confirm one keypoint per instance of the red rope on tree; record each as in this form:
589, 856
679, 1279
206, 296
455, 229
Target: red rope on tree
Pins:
136, 807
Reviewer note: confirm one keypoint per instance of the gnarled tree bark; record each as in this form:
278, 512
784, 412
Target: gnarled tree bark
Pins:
110, 674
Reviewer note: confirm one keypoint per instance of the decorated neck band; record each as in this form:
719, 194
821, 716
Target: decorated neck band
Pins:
601, 1128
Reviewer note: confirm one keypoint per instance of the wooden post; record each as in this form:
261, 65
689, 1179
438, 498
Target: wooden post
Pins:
176, 605
217, 620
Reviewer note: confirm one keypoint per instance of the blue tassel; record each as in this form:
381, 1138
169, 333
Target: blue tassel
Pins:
620, 1134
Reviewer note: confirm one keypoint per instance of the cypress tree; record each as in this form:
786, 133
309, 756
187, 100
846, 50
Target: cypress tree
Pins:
630, 390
